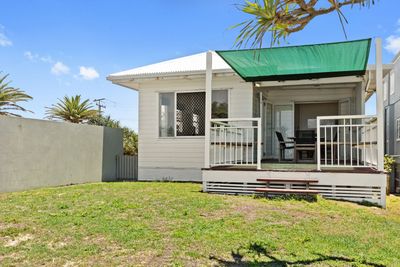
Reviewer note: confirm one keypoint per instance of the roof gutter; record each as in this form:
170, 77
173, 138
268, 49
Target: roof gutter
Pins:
169, 75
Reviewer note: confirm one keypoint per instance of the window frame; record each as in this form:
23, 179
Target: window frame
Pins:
176, 104
175, 101
229, 100
391, 82
398, 129
385, 90
159, 115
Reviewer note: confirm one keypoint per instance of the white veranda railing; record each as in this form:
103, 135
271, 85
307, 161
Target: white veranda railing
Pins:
235, 142
347, 141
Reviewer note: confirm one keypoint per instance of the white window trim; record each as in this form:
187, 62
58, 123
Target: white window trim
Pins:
398, 130
175, 98
229, 98
385, 90
159, 117
391, 82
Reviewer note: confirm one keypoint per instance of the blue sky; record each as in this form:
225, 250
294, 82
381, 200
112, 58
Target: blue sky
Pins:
56, 48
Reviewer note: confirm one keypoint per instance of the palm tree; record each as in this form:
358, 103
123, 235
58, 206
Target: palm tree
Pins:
281, 18
107, 121
72, 109
10, 96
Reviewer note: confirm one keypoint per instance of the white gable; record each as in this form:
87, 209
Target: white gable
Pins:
183, 65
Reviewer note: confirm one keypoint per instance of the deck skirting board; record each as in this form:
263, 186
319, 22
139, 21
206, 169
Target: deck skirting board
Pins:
356, 187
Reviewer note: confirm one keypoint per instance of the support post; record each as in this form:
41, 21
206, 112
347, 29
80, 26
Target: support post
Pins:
319, 144
379, 104
259, 133
208, 109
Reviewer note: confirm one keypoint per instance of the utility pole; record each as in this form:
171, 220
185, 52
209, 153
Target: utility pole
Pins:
99, 104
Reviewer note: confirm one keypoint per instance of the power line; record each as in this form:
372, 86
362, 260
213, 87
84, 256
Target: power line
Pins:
99, 104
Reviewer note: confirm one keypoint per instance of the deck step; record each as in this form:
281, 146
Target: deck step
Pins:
287, 180
287, 191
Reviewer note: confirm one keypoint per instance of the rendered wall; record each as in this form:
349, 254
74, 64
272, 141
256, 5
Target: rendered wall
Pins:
38, 153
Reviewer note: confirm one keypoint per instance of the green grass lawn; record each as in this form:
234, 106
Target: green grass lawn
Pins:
156, 224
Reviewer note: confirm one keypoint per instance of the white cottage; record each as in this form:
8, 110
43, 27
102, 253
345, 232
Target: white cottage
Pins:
275, 120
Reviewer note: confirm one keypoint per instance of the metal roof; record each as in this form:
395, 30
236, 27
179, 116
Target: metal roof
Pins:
192, 64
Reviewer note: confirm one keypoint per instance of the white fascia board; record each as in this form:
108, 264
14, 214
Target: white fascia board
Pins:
127, 84
396, 58
175, 75
385, 67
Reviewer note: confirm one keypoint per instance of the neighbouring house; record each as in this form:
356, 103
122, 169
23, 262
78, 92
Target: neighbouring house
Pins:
391, 98
274, 120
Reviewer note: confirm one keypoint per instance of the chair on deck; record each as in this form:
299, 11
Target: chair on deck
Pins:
305, 145
282, 146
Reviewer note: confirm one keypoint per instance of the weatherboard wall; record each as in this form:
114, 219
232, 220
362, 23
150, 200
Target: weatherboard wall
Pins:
180, 158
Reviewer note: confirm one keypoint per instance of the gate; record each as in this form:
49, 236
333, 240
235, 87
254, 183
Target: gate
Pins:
127, 167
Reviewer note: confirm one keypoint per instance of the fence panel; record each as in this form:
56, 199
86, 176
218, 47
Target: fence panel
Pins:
127, 167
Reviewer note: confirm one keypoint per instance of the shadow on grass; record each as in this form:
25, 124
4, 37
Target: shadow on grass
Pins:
257, 250
308, 198
362, 203
314, 198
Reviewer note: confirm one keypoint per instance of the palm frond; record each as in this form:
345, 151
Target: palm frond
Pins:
72, 109
284, 17
10, 97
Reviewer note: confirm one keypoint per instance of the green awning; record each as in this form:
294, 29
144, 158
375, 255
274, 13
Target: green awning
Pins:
300, 62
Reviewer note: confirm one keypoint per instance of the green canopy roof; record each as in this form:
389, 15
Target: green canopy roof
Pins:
300, 62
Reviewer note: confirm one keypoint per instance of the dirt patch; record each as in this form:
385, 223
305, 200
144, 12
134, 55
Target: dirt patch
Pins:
113, 253
17, 240
57, 245
4, 226
105, 244
238, 206
69, 264
14, 257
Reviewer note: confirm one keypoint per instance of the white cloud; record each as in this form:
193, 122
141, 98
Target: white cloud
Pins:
88, 73
59, 68
393, 44
29, 55
4, 40
36, 57
46, 59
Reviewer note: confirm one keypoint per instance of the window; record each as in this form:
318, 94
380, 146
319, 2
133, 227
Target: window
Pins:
183, 114
190, 114
385, 90
392, 83
398, 129
219, 104
167, 111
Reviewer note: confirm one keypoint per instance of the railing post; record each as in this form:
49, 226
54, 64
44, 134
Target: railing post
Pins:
259, 133
318, 145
